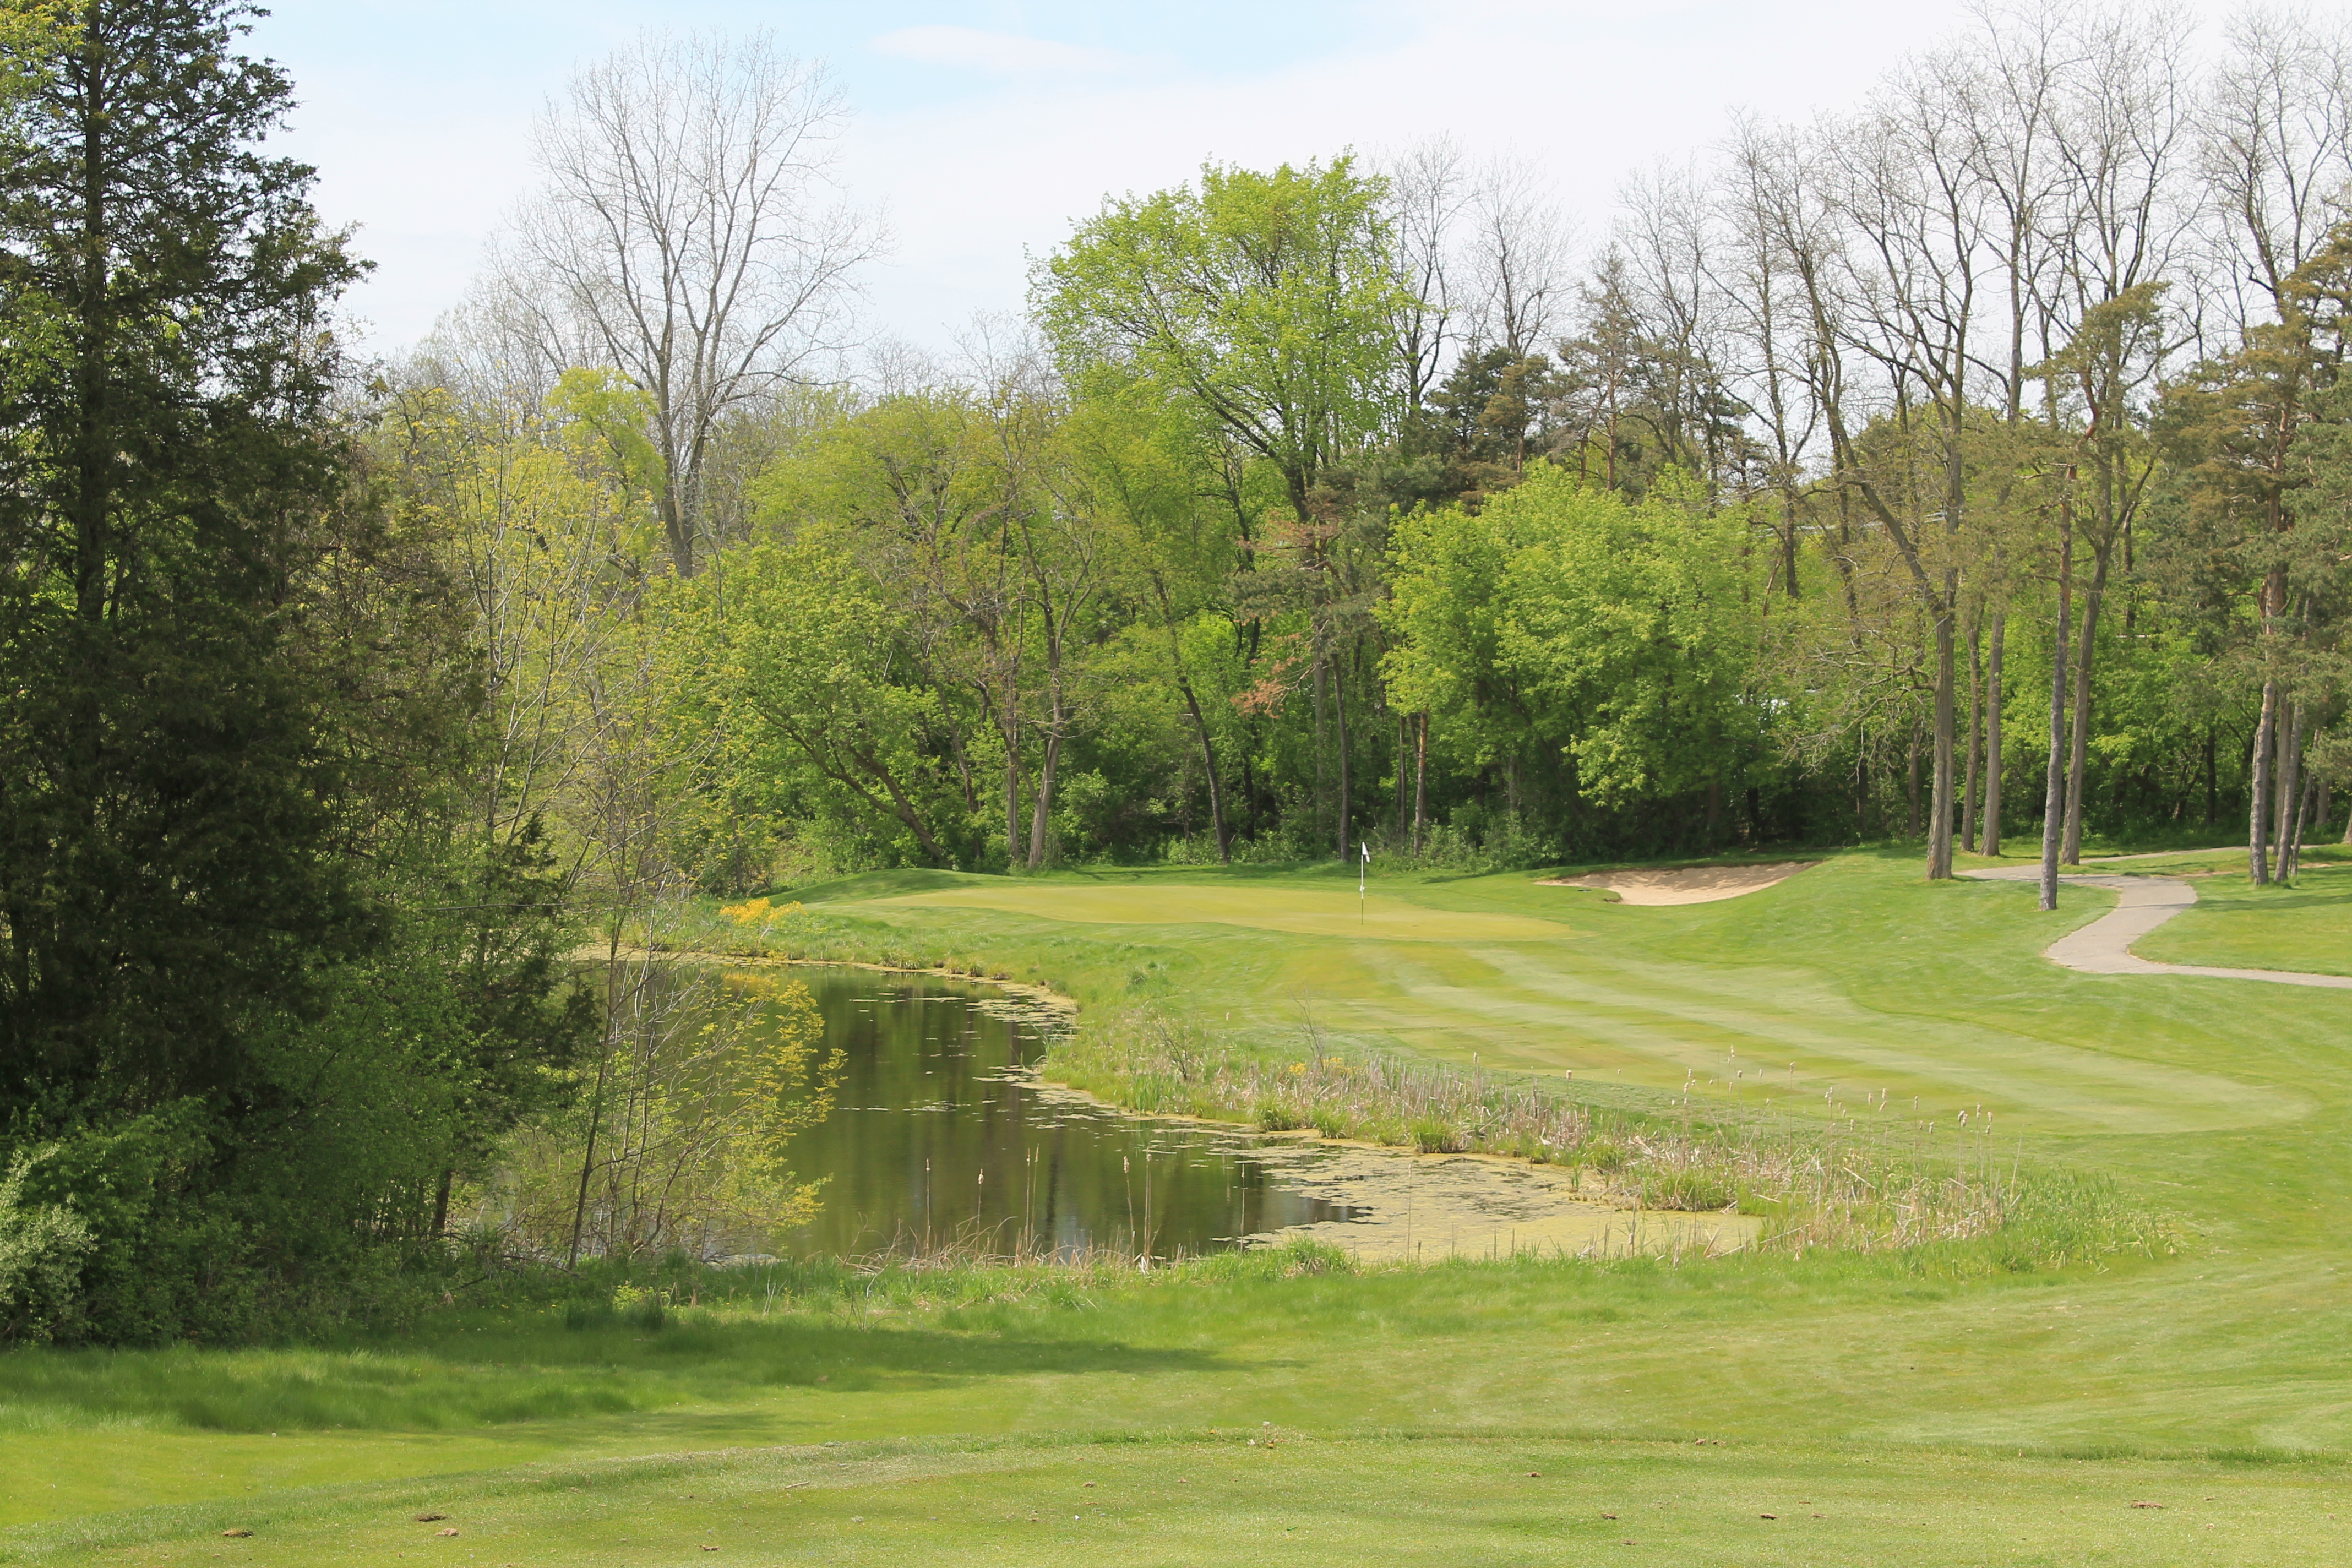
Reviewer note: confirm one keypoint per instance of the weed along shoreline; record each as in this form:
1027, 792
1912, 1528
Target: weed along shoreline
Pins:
1404, 1204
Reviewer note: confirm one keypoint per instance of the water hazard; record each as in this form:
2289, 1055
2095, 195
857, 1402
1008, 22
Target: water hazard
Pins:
940, 1136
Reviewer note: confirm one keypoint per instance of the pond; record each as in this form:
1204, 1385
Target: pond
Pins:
942, 1134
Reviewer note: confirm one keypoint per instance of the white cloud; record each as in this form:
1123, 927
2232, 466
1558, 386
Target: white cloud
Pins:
1001, 54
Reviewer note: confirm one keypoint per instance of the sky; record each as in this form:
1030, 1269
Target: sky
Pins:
984, 132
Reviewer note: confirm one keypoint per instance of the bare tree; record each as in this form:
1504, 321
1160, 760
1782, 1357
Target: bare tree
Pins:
690, 236
1774, 361
1670, 239
2276, 135
1428, 193
1516, 258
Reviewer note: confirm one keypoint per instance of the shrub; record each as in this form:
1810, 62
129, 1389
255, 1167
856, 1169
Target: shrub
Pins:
42, 1249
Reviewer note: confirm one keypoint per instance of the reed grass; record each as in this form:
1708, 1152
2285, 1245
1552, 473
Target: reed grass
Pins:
1844, 1185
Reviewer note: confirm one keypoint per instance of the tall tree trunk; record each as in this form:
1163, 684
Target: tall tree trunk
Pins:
1168, 621
1939, 828
2289, 804
2258, 847
1040, 827
1860, 786
1976, 733
2299, 822
1209, 761
2212, 779
2078, 757
1419, 782
2258, 820
1340, 710
1322, 731
1012, 791
596, 1102
2053, 794
1911, 785
1992, 735
1404, 742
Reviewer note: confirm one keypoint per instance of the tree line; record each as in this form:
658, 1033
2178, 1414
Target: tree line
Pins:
1961, 465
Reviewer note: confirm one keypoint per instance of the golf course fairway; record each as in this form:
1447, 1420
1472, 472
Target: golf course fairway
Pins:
2188, 1402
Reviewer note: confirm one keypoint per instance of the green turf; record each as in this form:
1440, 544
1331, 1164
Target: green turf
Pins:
1929, 1416
2236, 925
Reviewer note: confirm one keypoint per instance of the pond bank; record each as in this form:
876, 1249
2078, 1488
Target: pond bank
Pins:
1379, 1203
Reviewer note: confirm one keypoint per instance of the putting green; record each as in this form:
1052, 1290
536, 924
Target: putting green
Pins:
1306, 911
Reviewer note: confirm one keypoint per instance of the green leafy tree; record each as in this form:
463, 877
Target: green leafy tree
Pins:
1267, 297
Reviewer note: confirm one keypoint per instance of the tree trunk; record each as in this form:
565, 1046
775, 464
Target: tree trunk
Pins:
2079, 756
1322, 731
1419, 783
2299, 822
1404, 739
441, 1203
2258, 847
596, 1103
1946, 739
1039, 827
2054, 795
1340, 710
1992, 736
2212, 780
1012, 792
2290, 793
1976, 736
1911, 786
1209, 761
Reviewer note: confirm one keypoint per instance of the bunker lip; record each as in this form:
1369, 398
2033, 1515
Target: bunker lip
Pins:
1684, 884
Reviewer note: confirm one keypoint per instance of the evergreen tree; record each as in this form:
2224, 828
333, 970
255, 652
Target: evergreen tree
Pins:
170, 895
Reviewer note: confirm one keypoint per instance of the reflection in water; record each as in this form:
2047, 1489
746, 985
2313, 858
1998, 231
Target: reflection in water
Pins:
938, 1136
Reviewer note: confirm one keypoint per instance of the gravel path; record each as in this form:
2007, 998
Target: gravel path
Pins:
2142, 904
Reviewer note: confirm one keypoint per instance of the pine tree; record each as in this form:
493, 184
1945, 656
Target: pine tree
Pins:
167, 884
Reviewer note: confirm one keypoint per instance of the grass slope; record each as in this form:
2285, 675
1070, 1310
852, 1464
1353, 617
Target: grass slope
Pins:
1928, 1418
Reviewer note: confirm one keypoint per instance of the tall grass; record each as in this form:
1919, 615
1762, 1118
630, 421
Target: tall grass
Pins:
1845, 1186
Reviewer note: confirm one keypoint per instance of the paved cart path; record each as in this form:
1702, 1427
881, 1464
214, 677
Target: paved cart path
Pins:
2142, 904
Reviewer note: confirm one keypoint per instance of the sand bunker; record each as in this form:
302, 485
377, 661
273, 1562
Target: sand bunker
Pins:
1685, 884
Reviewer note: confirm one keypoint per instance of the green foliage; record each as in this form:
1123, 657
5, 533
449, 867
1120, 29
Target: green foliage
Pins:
1266, 298
235, 888
41, 1250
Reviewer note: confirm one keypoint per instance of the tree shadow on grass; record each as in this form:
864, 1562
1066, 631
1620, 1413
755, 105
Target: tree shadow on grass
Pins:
475, 1377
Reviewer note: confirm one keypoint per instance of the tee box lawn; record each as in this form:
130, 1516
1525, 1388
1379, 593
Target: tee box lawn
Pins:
2192, 1407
